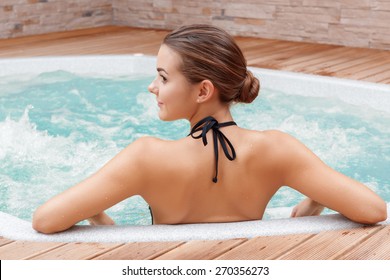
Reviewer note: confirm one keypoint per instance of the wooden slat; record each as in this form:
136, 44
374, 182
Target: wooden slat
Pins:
139, 251
76, 251
385, 80
25, 249
334, 60
370, 63
329, 245
49, 37
317, 51
378, 78
375, 248
4, 241
267, 48
349, 63
301, 54
201, 250
275, 58
265, 247
380, 68
130, 40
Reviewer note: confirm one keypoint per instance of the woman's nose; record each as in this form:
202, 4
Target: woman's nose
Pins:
152, 87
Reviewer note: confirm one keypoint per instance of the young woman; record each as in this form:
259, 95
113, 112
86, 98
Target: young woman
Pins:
220, 172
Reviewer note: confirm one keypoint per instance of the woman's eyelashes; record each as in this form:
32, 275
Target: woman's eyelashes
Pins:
163, 79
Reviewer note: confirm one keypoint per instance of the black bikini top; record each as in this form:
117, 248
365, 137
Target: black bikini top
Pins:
203, 126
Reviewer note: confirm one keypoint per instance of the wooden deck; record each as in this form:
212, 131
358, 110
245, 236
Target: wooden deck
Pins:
353, 63
363, 243
344, 62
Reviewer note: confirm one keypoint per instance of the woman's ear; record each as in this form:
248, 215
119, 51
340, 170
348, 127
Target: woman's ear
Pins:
206, 91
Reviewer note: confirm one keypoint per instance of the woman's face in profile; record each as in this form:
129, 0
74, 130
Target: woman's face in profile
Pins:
176, 97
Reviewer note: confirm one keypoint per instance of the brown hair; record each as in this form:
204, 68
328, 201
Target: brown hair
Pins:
210, 53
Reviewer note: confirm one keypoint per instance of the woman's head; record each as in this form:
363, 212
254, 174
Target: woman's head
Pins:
209, 53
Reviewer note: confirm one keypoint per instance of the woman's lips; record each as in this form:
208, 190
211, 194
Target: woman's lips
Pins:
159, 103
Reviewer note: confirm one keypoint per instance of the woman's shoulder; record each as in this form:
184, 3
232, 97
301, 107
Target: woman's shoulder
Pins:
272, 144
269, 137
148, 144
277, 137
154, 146
284, 141
147, 141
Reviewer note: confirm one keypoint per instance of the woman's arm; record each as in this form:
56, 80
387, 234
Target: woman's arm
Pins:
119, 179
307, 207
302, 170
100, 219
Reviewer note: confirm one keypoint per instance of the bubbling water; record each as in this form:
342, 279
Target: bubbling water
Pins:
58, 128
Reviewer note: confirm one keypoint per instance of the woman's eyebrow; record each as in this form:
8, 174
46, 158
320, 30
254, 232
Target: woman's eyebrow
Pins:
161, 69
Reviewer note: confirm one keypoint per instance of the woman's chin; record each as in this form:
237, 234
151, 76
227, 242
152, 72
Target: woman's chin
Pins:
166, 118
163, 117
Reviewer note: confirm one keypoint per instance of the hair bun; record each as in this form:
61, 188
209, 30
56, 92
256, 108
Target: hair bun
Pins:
249, 90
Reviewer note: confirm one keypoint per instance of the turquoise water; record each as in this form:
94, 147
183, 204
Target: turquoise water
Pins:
58, 128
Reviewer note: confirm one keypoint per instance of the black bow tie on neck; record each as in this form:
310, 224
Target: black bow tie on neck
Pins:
204, 126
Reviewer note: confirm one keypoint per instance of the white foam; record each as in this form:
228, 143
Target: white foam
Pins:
26, 150
14, 228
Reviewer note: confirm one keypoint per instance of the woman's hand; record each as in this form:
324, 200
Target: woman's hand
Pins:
307, 207
100, 219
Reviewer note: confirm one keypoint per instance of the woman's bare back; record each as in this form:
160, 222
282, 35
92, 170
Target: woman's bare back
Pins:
180, 187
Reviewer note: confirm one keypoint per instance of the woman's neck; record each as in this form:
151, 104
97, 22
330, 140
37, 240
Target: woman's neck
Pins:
221, 115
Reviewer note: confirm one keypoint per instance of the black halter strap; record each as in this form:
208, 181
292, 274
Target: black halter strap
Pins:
203, 126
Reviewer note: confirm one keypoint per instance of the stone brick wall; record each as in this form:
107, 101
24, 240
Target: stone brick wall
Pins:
27, 17
360, 23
